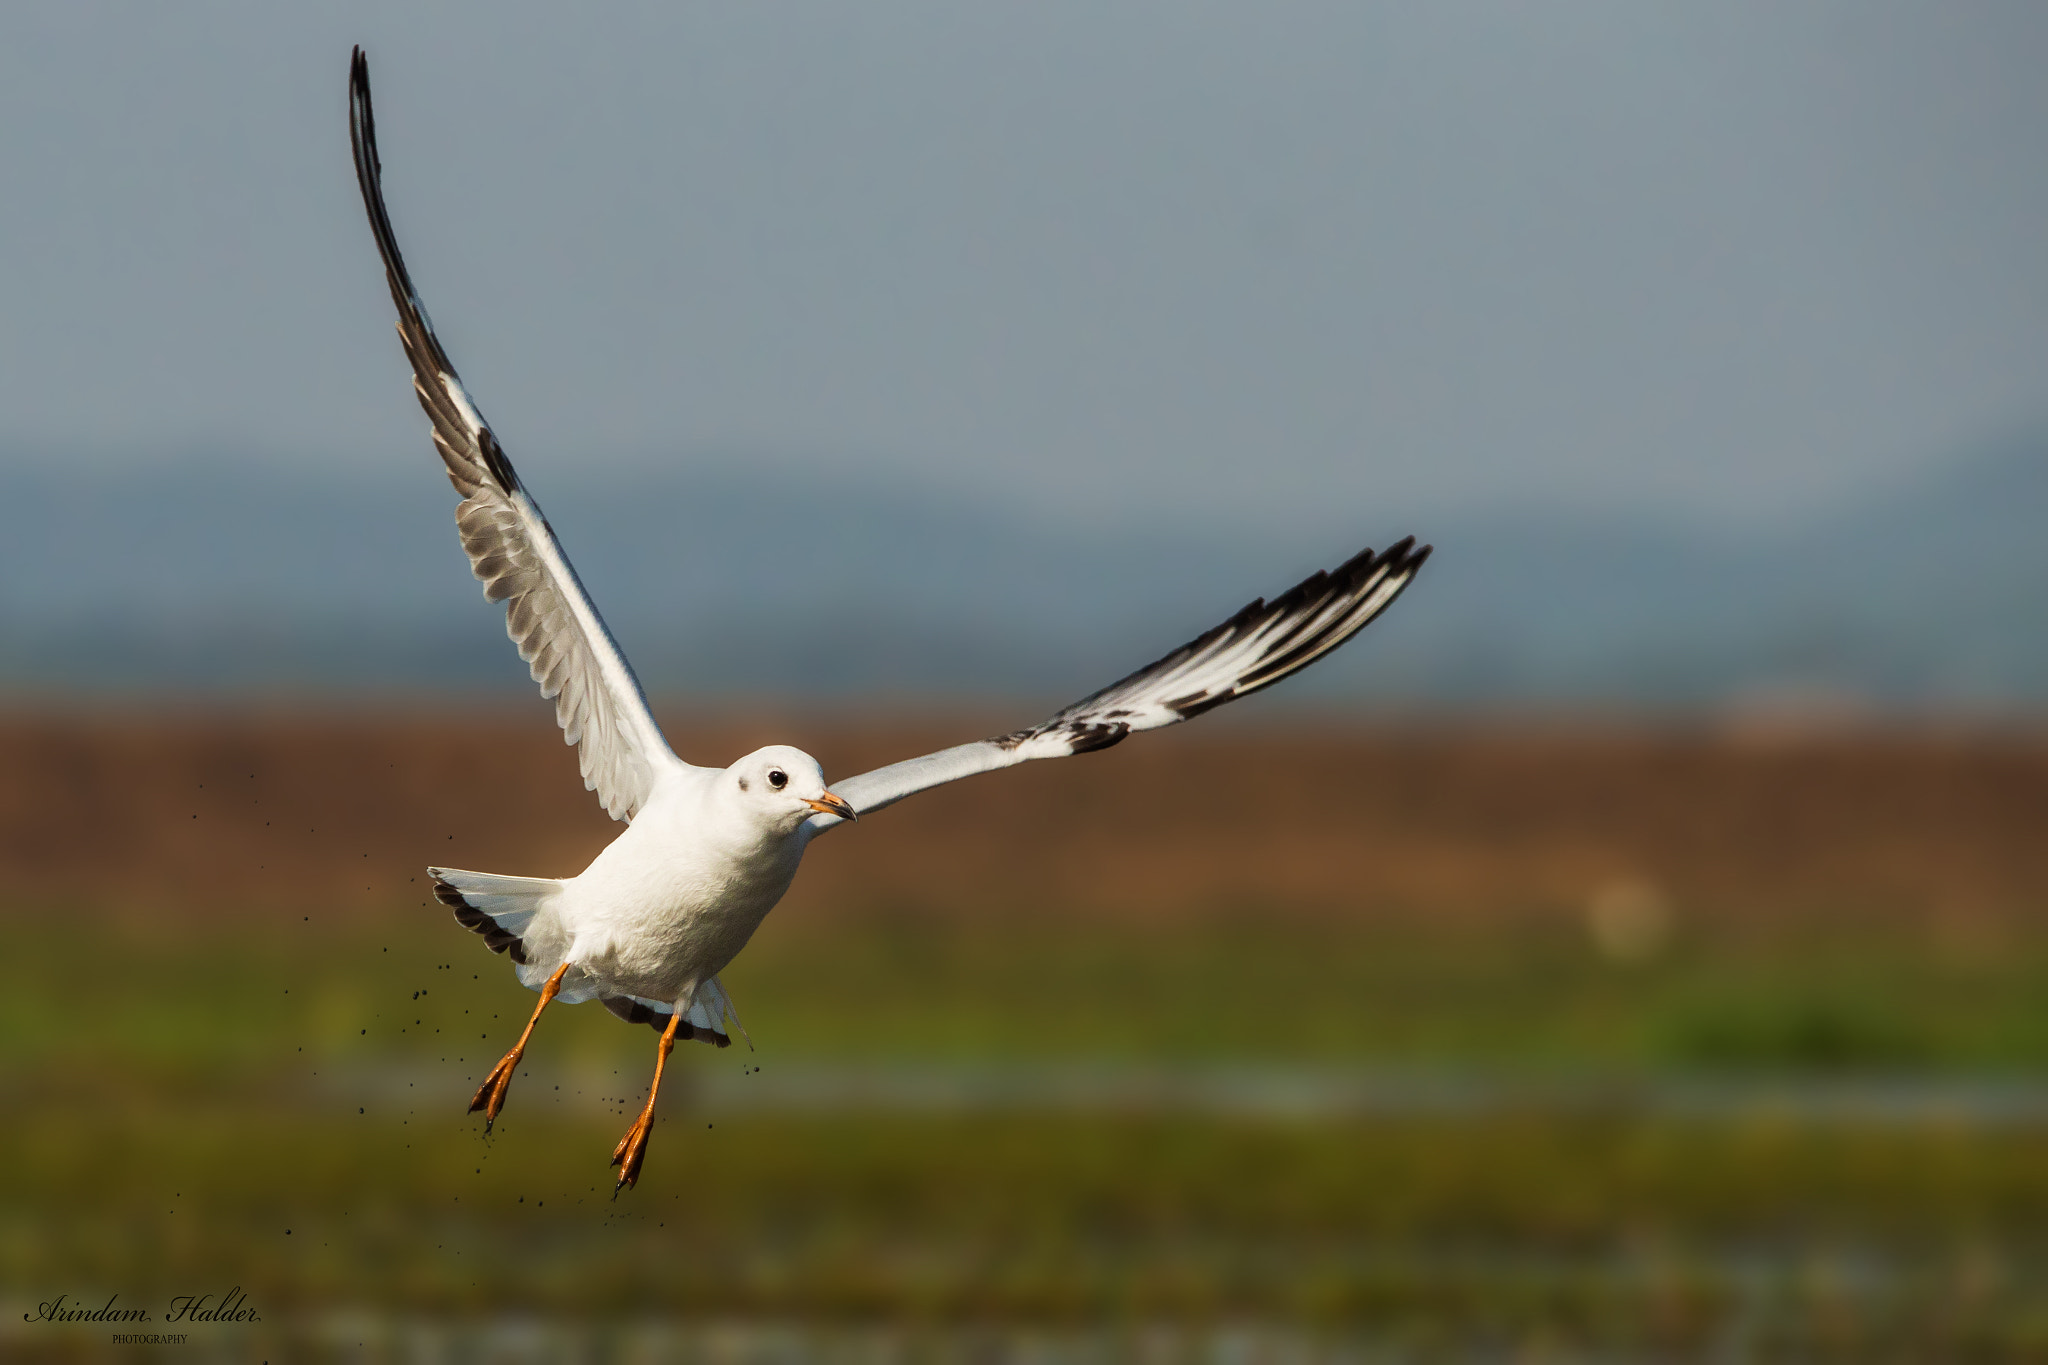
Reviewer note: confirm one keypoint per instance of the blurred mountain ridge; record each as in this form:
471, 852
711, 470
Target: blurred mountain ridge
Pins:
232, 575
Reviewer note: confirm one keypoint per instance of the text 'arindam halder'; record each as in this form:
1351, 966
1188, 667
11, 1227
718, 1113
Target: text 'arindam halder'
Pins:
232, 1306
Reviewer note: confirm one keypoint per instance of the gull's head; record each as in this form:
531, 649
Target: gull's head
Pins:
785, 787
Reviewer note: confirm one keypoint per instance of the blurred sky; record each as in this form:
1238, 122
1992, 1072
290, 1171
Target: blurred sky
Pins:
1279, 261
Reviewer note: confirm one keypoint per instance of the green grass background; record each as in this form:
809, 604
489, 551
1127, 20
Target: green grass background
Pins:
277, 1104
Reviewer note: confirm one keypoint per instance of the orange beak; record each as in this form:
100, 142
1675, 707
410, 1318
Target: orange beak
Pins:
828, 804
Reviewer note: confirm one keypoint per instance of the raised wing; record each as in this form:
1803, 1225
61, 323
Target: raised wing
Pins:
1256, 648
512, 550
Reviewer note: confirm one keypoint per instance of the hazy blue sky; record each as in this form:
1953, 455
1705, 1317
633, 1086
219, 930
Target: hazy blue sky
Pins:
1291, 260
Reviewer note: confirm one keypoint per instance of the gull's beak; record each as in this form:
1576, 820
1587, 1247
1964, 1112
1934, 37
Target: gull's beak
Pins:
828, 804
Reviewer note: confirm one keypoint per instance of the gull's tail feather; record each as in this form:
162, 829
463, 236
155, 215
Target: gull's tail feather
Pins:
704, 1020
502, 909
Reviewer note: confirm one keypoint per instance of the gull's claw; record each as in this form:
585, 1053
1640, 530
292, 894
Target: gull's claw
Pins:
490, 1096
631, 1150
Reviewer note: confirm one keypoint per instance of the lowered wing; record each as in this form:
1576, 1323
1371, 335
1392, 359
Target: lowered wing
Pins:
512, 550
1262, 644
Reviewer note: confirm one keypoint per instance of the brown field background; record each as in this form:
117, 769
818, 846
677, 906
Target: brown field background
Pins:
213, 812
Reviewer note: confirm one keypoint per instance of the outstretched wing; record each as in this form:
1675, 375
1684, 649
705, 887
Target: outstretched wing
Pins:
1256, 648
512, 550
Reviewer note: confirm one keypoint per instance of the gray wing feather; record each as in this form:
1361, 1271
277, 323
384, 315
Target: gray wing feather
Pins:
886, 786
1260, 645
512, 549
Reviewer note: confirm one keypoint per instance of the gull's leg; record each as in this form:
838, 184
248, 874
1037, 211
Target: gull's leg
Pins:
633, 1146
492, 1092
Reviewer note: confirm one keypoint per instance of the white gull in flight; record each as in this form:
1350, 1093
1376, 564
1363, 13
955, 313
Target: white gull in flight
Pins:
707, 852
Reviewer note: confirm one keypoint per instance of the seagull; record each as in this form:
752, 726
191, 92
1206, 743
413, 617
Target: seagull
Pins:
707, 852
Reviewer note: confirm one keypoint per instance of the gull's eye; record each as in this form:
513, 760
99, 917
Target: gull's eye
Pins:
777, 778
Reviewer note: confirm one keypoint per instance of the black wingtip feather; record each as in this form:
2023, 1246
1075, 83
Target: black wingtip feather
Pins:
362, 129
495, 461
1313, 617
1301, 645
422, 348
1088, 738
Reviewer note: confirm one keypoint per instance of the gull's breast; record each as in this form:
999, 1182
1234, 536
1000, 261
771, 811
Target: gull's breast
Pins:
660, 908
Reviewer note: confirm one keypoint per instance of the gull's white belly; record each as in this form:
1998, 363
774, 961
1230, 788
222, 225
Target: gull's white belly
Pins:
670, 902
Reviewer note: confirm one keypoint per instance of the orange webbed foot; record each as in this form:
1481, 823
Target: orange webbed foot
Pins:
632, 1149
490, 1096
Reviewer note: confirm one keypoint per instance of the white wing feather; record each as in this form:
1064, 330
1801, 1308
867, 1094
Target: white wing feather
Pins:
512, 549
1256, 648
